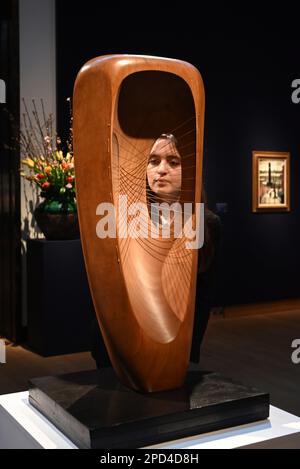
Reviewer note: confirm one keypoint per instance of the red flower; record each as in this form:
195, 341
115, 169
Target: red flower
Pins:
45, 185
40, 176
69, 179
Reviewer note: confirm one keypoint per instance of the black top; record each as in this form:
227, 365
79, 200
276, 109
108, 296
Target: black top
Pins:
205, 284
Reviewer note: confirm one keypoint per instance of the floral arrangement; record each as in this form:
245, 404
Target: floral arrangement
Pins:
46, 162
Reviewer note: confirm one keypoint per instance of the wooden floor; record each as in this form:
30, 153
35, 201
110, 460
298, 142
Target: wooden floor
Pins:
22, 364
255, 350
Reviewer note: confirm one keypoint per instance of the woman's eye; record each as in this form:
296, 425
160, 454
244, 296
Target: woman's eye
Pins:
174, 163
153, 161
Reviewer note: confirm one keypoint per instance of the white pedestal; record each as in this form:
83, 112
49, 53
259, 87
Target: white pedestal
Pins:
21, 426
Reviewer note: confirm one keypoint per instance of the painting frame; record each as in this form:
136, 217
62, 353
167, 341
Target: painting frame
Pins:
270, 181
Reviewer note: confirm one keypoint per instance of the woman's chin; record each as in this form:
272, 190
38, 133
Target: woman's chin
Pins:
165, 196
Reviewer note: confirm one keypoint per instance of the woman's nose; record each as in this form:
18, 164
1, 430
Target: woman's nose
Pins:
162, 168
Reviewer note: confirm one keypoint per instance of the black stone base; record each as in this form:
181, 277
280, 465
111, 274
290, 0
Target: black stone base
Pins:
94, 410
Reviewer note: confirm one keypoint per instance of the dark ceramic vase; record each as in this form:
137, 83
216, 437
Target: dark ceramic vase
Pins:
57, 220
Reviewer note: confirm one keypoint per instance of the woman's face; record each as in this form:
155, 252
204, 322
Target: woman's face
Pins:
164, 170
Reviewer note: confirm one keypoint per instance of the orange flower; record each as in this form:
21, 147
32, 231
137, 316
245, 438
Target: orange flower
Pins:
67, 166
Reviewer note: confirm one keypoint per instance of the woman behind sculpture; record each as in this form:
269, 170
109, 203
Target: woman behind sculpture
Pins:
164, 178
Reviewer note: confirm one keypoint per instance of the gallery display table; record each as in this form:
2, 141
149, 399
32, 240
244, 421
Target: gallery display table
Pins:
60, 309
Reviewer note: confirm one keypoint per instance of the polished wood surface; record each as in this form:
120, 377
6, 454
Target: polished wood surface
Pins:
143, 289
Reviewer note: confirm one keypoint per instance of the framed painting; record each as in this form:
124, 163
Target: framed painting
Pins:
270, 181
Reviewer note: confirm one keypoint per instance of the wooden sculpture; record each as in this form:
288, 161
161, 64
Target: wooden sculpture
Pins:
127, 110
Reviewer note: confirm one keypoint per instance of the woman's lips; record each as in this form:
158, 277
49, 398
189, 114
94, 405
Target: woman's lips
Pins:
161, 181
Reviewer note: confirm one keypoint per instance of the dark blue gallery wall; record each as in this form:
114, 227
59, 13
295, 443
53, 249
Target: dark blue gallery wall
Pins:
247, 72
259, 252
